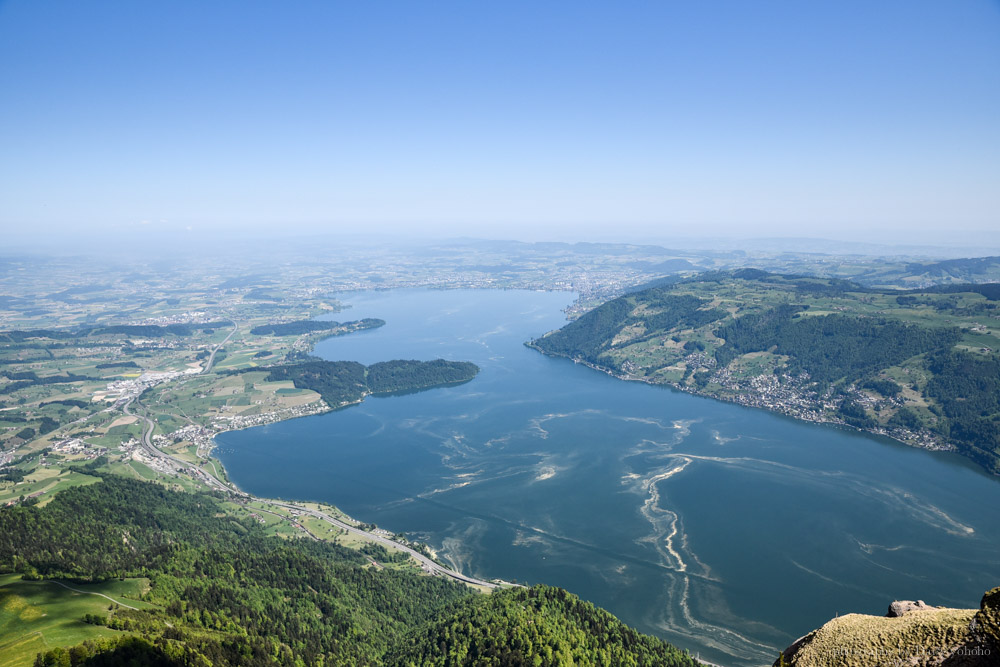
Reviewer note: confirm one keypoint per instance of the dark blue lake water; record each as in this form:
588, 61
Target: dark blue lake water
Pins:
726, 530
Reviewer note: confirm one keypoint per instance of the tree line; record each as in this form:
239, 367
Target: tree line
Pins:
300, 327
339, 382
227, 594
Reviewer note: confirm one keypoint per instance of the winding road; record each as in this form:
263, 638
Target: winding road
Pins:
106, 597
426, 563
178, 465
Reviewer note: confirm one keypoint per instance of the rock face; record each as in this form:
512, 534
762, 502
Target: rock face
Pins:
900, 607
987, 622
912, 634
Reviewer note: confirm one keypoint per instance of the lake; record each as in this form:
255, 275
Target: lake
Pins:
726, 530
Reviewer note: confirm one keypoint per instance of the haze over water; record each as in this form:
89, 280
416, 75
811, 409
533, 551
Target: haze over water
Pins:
727, 530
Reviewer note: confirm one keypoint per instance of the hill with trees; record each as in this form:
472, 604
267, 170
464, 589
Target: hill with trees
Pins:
222, 592
531, 626
918, 365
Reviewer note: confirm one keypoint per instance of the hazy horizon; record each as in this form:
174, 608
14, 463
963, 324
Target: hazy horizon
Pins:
639, 122
220, 243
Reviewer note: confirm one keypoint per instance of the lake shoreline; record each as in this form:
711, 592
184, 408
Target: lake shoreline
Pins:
541, 471
936, 445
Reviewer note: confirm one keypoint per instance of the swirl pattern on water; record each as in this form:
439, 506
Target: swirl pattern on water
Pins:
726, 530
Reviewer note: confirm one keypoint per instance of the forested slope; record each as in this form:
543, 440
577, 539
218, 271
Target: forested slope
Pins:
921, 366
227, 594
227, 591
533, 626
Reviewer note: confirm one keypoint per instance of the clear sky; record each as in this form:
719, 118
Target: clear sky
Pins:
540, 119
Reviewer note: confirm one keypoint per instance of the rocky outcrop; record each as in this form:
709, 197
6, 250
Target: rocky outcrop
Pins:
900, 607
986, 624
912, 634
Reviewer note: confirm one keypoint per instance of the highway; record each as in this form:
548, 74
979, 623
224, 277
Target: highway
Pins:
211, 357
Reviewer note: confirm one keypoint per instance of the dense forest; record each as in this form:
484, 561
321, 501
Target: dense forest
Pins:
336, 381
143, 330
37, 381
20, 336
340, 382
967, 389
830, 347
300, 327
532, 626
227, 594
592, 334
117, 364
407, 374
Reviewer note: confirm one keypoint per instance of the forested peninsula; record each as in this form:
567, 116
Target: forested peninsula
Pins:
300, 327
920, 366
341, 383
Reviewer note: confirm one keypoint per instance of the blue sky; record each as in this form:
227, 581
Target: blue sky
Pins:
544, 119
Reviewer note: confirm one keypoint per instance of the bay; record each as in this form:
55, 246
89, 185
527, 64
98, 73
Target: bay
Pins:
726, 530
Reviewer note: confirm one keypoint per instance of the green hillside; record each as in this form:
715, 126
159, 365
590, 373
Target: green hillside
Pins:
223, 592
533, 626
950, 272
920, 366
38, 615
